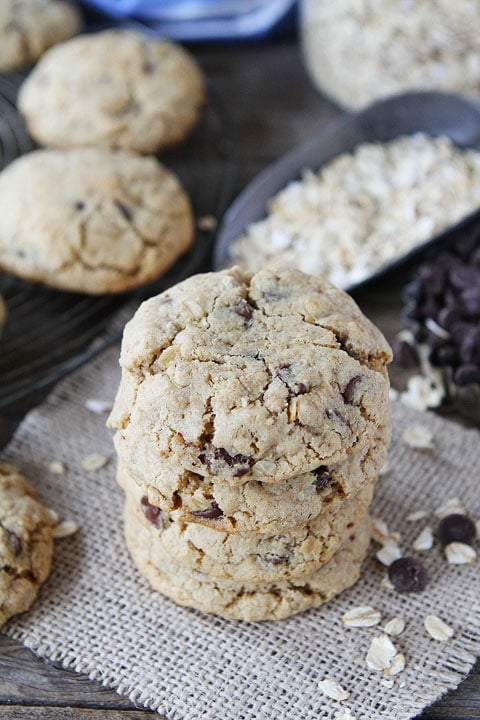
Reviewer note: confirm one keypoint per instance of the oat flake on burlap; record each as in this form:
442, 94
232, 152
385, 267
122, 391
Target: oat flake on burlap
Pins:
98, 616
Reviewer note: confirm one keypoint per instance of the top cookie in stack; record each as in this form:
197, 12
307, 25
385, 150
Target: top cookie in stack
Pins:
252, 422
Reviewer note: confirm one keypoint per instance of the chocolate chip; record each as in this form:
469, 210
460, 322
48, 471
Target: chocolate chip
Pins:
124, 209
471, 300
211, 513
244, 309
405, 354
407, 575
464, 277
457, 528
349, 390
276, 559
322, 478
242, 461
285, 374
470, 348
14, 542
148, 67
151, 512
444, 355
466, 375
448, 316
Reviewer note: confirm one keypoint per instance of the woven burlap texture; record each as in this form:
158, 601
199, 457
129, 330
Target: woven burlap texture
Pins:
98, 616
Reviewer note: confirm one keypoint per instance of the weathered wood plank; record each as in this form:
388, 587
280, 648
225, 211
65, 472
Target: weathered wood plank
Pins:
20, 712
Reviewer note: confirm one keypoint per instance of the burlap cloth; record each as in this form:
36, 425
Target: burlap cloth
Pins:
96, 614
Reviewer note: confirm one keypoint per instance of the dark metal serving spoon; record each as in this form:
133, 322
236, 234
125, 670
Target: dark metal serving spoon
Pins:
432, 113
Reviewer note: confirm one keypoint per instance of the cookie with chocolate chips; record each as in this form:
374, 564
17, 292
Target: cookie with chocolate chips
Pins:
90, 220
26, 544
249, 376
113, 89
242, 600
239, 505
29, 27
249, 556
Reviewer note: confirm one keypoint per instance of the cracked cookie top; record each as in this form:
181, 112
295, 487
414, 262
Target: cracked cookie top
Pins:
91, 220
113, 89
236, 375
26, 544
29, 27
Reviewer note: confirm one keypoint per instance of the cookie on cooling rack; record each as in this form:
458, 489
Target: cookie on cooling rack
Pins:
91, 220
29, 27
113, 89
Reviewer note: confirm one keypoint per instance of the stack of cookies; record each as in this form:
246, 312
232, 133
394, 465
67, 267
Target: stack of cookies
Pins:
252, 421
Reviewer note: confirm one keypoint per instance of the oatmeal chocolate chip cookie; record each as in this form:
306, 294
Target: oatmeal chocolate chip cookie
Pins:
91, 220
26, 544
252, 506
113, 89
246, 601
29, 27
253, 557
263, 377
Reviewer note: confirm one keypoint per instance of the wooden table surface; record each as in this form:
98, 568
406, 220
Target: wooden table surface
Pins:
273, 107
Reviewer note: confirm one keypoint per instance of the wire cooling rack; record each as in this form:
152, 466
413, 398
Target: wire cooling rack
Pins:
49, 333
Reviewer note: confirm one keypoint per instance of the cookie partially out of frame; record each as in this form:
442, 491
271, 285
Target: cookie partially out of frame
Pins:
26, 544
247, 601
113, 89
91, 220
29, 27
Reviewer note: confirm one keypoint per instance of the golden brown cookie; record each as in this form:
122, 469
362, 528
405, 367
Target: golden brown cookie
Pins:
91, 220
113, 89
26, 544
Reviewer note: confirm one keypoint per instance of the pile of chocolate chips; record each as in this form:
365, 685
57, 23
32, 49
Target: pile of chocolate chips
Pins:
443, 300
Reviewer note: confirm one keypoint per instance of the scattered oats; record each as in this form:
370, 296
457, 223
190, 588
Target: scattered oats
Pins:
417, 515
425, 540
438, 629
380, 653
393, 394
458, 553
398, 664
395, 626
362, 616
380, 531
402, 684
94, 462
57, 468
422, 393
386, 584
386, 682
65, 529
333, 689
207, 222
99, 407
54, 516
344, 714
385, 470
388, 553
450, 507
436, 329
418, 437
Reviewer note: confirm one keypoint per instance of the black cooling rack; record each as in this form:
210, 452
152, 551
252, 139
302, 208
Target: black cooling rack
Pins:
49, 333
